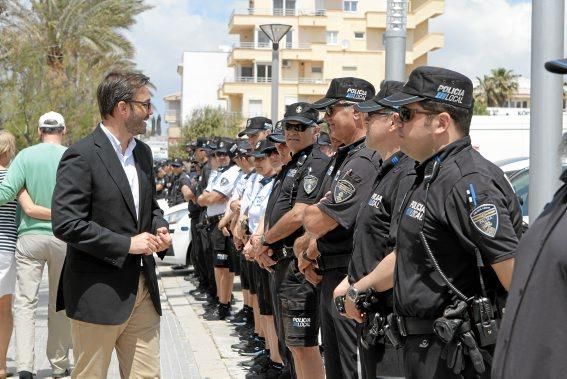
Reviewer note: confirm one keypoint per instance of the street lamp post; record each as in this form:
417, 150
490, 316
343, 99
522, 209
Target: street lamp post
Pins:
275, 33
395, 39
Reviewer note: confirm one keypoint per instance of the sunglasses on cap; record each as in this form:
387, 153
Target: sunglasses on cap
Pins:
406, 114
330, 110
295, 127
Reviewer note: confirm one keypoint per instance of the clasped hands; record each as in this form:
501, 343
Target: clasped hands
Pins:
147, 243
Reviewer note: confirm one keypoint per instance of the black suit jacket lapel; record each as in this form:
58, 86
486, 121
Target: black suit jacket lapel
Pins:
108, 157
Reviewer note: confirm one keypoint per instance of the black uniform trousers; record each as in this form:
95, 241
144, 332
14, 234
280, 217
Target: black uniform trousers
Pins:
208, 258
196, 247
338, 333
423, 360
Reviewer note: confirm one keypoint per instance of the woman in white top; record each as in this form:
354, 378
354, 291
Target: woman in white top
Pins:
8, 236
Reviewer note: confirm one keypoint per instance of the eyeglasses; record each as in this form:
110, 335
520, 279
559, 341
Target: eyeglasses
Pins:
330, 109
406, 114
295, 127
146, 104
378, 113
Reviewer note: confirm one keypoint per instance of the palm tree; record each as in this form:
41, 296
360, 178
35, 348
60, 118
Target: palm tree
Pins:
497, 88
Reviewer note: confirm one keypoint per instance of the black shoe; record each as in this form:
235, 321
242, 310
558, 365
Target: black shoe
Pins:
179, 267
232, 300
204, 297
61, 374
254, 348
271, 371
238, 314
264, 357
25, 375
219, 313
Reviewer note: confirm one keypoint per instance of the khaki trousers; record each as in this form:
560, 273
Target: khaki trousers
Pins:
136, 342
32, 253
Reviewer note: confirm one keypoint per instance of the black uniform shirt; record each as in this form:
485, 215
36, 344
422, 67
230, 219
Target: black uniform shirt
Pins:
470, 205
197, 186
531, 339
350, 187
299, 178
371, 239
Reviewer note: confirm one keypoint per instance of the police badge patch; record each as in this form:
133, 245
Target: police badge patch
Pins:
485, 219
344, 190
223, 181
309, 184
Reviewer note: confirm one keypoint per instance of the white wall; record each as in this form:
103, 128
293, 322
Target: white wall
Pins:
203, 72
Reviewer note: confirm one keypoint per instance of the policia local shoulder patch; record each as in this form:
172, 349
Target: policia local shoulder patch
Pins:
344, 190
485, 219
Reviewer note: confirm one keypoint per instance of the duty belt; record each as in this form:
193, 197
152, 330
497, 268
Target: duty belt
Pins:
214, 219
330, 262
281, 254
414, 325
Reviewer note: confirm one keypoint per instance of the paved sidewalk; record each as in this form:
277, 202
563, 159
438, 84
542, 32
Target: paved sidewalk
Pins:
177, 357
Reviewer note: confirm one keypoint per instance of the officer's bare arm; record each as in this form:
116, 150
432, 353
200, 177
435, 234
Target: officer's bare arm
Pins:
289, 223
317, 222
188, 195
504, 272
208, 198
382, 277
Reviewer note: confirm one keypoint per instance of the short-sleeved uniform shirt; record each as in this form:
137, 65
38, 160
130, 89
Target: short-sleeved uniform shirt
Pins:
298, 181
250, 192
351, 185
240, 185
224, 184
470, 205
371, 239
259, 203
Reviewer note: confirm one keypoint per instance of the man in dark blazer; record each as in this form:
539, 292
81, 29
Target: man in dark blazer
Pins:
104, 208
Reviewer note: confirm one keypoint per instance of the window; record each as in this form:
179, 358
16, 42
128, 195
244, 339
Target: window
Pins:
263, 41
264, 72
254, 108
332, 38
350, 5
247, 72
316, 70
358, 35
283, 7
349, 68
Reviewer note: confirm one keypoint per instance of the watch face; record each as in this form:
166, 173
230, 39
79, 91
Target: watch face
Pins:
352, 293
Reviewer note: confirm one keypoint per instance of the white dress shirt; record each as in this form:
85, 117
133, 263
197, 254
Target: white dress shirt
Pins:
128, 164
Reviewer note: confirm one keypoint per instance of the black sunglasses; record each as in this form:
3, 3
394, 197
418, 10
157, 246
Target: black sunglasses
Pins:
379, 113
295, 127
146, 104
329, 110
406, 114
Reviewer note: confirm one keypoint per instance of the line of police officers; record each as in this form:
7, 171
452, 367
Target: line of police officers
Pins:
398, 247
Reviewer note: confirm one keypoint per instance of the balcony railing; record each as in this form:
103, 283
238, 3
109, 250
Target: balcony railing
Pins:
295, 80
268, 45
277, 12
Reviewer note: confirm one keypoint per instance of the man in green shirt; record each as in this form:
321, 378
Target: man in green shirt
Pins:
34, 169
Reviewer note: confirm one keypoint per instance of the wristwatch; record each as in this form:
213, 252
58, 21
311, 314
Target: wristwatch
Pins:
353, 294
263, 241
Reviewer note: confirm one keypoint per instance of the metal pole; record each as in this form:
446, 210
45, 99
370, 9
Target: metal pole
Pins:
275, 80
395, 40
395, 46
546, 103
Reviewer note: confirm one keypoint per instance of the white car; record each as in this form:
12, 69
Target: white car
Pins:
180, 231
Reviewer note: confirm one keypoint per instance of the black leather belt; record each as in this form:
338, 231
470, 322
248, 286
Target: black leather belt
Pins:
281, 254
330, 262
414, 325
214, 219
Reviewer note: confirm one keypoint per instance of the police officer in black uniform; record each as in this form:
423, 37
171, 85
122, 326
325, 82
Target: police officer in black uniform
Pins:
331, 221
372, 242
458, 229
180, 178
531, 341
295, 299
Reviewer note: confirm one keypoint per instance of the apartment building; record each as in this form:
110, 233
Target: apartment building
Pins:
328, 39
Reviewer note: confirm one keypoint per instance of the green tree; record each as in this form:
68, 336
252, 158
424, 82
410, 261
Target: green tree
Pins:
206, 122
495, 89
53, 54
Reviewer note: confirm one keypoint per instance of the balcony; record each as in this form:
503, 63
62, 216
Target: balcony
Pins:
424, 10
262, 51
241, 19
171, 116
304, 86
424, 45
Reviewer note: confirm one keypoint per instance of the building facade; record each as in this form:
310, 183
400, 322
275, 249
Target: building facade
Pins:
328, 39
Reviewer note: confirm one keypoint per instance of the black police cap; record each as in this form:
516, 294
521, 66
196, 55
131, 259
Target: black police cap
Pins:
277, 134
323, 139
387, 88
434, 83
557, 66
255, 125
347, 89
177, 163
262, 148
301, 112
